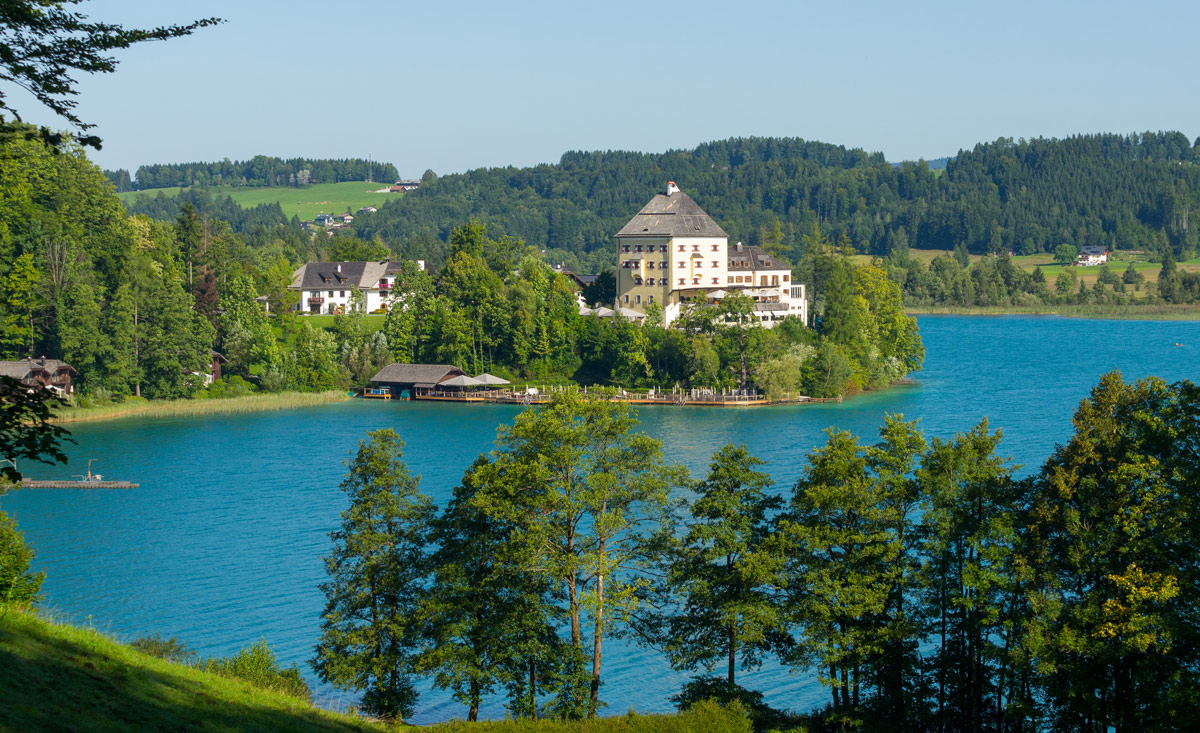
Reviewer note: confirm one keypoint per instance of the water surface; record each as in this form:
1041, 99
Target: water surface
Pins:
222, 543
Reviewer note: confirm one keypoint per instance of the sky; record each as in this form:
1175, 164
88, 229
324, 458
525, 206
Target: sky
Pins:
460, 85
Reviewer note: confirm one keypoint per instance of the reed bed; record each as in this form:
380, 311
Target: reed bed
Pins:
1155, 312
176, 408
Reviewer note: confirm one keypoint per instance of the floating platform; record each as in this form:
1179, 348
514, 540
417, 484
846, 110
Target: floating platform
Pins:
32, 484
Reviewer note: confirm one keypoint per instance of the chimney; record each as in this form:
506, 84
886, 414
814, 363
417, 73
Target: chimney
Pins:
739, 246
672, 188
339, 267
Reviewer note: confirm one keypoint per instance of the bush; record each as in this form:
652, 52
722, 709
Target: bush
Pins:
172, 650
258, 665
234, 386
17, 584
706, 691
704, 716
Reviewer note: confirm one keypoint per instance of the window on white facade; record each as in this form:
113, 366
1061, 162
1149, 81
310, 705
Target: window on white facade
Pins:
716, 248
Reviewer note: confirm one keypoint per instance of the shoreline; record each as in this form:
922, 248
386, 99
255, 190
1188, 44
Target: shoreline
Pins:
1159, 312
183, 407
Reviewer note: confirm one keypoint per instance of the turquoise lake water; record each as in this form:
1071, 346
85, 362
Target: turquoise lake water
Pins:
222, 544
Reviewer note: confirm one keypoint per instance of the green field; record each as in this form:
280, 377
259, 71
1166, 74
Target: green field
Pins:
321, 198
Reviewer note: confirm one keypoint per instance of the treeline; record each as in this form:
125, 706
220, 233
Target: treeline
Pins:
920, 581
261, 170
161, 207
1025, 196
994, 280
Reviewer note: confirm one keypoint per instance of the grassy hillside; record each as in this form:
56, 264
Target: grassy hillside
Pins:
57, 677
321, 198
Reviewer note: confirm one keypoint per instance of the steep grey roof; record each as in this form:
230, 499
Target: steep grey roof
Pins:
326, 276
750, 258
21, 369
416, 373
671, 216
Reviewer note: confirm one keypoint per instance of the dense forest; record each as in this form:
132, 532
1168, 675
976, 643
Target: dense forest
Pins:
1023, 196
924, 583
261, 170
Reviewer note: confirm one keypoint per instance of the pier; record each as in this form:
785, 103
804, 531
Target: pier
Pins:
686, 398
29, 483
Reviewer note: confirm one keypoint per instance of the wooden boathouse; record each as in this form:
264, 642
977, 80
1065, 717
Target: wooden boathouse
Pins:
416, 379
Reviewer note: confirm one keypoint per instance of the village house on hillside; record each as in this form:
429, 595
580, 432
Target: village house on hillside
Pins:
672, 252
43, 372
327, 287
1091, 255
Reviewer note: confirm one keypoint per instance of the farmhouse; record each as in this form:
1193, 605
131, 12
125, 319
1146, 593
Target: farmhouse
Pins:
1092, 256
41, 372
672, 252
327, 287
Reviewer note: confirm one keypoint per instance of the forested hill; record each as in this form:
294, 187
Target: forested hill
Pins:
261, 170
1132, 191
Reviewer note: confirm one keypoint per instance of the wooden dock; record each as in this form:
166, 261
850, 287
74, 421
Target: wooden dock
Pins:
32, 484
675, 399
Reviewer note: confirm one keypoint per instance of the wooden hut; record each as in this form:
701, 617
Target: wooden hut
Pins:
416, 379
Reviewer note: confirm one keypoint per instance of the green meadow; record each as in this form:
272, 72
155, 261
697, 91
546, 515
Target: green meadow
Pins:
321, 198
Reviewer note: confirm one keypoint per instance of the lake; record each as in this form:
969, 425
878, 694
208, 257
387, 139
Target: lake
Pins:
222, 544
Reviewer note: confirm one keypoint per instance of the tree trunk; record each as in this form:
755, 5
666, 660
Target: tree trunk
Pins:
596, 641
732, 651
833, 675
473, 713
137, 353
533, 710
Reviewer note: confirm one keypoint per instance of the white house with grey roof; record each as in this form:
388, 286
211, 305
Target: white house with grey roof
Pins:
327, 287
672, 252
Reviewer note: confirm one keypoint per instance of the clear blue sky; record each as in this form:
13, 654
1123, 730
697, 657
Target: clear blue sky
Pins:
457, 85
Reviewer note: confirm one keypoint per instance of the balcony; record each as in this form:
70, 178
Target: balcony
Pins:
316, 300
385, 286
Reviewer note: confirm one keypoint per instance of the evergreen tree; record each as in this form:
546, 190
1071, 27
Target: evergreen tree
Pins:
378, 579
725, 612
973, 604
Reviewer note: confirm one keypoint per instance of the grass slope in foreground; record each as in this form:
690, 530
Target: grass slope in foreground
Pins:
59, 677
307, 202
